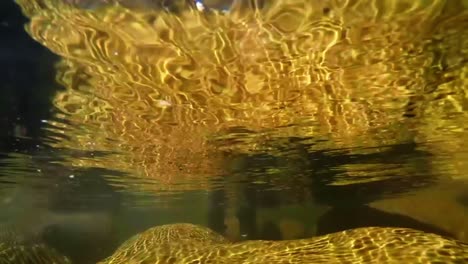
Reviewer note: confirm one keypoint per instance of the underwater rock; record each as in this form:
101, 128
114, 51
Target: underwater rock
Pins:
184, 243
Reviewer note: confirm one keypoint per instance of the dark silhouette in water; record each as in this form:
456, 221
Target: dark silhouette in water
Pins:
216, 212
28, 79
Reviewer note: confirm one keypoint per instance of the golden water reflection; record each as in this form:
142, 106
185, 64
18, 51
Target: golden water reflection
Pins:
176, 95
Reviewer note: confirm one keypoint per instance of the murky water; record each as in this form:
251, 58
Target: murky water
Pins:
259, 119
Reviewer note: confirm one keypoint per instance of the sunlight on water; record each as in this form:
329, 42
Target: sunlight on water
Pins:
175, 94
338, 103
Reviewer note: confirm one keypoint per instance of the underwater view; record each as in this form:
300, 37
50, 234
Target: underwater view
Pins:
233, 131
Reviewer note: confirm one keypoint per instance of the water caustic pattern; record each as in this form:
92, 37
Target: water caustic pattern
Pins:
174, 92
187, 243
33, 253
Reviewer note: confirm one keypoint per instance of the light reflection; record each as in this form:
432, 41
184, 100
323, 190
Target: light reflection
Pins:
166, 91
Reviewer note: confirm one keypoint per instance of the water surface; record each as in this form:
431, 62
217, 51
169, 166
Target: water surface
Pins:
273, 120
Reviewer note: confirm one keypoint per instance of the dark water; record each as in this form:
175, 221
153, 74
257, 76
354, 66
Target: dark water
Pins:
69, 180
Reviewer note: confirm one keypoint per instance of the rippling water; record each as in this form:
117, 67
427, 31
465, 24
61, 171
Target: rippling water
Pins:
261, 119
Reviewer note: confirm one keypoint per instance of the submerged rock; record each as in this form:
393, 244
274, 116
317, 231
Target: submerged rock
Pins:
187, 243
